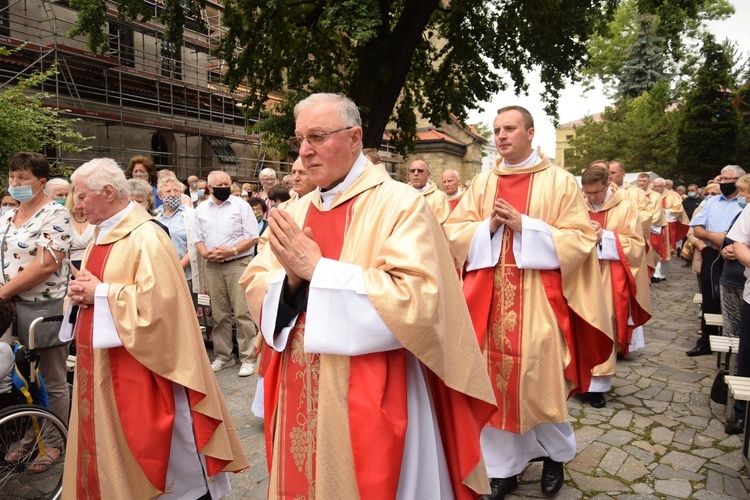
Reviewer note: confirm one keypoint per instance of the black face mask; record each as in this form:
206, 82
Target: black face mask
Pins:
220, 193
728, 188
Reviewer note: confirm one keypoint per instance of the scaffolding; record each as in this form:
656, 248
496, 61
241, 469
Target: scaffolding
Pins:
143, 96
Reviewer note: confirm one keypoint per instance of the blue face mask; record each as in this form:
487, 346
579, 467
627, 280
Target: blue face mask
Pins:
742, 202
201, 193
692, 194
22, 193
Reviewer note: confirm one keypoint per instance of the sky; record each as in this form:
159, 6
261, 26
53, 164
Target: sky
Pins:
575, 104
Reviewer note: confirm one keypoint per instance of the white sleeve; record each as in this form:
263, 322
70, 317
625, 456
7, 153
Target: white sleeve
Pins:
340, 317
485, 248
656, 229
607, 248
536, 238
105, 333
67, 330
269, 311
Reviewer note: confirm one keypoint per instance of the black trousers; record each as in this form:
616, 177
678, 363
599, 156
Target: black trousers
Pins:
743, 357
710, 275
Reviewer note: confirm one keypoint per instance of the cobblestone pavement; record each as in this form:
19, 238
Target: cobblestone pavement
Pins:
659, 436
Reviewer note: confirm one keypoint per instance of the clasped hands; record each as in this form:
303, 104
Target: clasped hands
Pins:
293, 247
598, 230
81, 290
504, 213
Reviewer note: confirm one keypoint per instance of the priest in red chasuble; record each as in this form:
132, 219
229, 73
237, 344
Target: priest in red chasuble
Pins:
534, 290
148, 418
375, 388
622, 258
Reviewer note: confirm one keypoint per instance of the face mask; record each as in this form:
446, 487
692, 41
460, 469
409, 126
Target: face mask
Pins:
21, 193
742, 201
195, 185
201, 193
728, 188
172, 202
221, 193
4, 210
145, 206
61, 201
692, 194
140, 175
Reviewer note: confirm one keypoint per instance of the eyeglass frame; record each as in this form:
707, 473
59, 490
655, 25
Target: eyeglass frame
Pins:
318, 138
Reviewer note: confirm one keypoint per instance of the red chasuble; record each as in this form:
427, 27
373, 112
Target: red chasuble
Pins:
495, 298
623, 293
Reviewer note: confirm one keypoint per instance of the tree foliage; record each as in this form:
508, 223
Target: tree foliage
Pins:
644, 66
26, 124
710, 125
678, 24
639, 132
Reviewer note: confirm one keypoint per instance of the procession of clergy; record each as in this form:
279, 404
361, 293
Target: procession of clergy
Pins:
416, 343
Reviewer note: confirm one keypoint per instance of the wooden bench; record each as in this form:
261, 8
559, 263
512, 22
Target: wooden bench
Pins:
739, 388
698, 298
728, 345
70, 363
714, 319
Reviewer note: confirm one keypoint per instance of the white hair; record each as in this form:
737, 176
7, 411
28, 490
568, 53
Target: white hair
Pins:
165, 180
344, 107
659, 180
738, 171
217, 172
100, 172
55, 182
266, 172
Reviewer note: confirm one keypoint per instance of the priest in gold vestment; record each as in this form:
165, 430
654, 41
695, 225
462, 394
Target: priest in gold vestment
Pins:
148, 418
375, 386
419, 175
622, 257
533, 286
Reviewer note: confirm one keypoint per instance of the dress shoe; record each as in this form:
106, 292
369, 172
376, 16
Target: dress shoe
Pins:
699, 350
654, 279
596, 399
736, 426
553, 476
501, 487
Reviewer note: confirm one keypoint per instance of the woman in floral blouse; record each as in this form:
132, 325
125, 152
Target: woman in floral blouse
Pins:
35, 240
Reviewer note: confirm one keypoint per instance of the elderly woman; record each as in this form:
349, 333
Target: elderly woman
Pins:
57, 189
142, 167
179, 220
141, 193
36, 238
82, 233
7, 202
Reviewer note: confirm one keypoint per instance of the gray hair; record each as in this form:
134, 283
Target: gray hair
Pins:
100, 172
54, 182
345, 109
165, 180
214, 173
266, 172
659, 180
738, 171
142, 189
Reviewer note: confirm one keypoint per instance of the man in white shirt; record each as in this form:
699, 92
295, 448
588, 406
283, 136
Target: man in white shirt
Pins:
225, 232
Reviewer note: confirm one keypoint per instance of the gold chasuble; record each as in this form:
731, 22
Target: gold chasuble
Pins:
637, 197
437, 202
541, 331
626, 286
123, 407
335, 424
671, 201
657, 242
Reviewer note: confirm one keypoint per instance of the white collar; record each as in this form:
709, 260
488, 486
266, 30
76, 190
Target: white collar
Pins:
326, 197
528, 162
106, 226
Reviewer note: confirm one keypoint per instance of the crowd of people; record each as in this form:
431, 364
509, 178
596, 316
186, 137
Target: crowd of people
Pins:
414, 341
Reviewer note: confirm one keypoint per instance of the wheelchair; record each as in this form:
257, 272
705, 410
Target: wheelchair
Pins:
29, 432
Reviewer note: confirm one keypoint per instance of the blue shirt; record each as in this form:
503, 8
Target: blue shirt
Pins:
717, 215
176, 226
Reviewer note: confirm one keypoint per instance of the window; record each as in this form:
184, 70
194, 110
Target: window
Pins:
121, 43
171, 57
223, 150
4, 18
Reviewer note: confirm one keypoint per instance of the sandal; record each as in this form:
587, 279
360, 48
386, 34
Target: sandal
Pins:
43, 462
16, 454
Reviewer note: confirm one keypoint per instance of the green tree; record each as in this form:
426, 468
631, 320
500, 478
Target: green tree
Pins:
26, 124
709, 128
677, 24
392, 57
644, 66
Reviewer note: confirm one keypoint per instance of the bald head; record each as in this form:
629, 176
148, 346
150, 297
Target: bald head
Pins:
451, 182
616, 173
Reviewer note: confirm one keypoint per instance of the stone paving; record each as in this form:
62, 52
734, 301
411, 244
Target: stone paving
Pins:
659, 436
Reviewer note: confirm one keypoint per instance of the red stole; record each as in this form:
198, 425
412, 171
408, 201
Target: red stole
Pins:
495, 299
623, 293
144, 399
454, 202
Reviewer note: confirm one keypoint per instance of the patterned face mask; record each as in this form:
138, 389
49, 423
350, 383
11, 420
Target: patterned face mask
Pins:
172, 202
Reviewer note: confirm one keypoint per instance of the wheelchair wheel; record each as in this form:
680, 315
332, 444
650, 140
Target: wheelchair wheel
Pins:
28, 433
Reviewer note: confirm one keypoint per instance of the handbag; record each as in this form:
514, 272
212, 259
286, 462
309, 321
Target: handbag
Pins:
719, 389
687, 250
46, 334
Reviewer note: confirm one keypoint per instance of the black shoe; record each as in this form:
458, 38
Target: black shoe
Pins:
699, 350
736, 426
553, 476
501, 487
596, 399
654, 279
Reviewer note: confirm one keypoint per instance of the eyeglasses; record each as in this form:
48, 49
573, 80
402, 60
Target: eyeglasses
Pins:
315, 139
727, 179
416, 170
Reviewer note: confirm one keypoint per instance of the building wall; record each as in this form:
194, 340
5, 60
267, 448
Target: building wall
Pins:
562, 138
